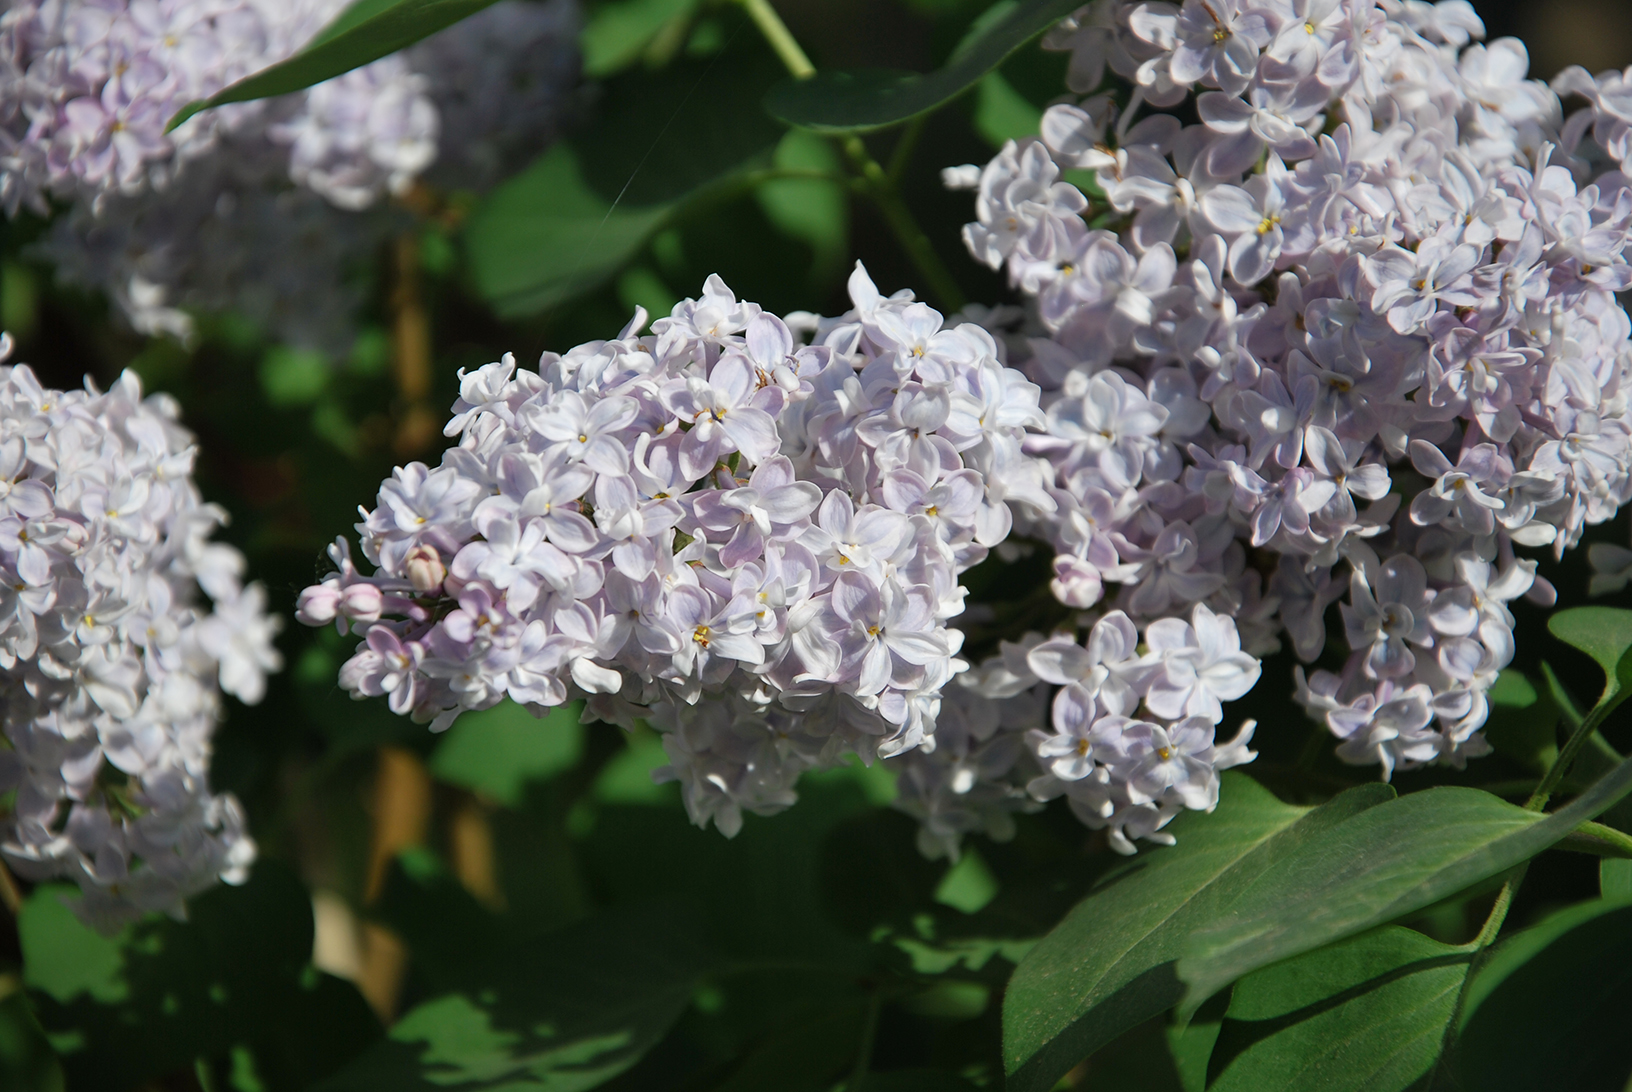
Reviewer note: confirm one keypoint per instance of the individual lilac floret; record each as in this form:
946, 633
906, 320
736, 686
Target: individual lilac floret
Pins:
112, 664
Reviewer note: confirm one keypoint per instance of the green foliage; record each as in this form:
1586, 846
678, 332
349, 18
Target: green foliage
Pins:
364, 32
1368, 1013
1605, 634
855, 102
618, 32
586, 207
563, 1012
498, 751
1376, 867
236, 977
1550, 1007
1110, 964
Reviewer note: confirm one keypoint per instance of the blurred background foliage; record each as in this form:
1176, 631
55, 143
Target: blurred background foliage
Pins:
515, 905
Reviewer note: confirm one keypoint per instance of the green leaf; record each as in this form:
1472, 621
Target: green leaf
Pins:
1379, 866
1003, 114
1366, 1015
27, 1062
812, 210
1109, 965
854, 102
1605, 634
497, 751
236, 975
1512, 690
1615, 878
563, 1013
616, 34
1550, 1007
584, 209
363, 33
807, 1054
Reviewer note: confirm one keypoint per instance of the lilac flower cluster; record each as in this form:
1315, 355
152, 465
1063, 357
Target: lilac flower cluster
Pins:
1353, 332
753, 542
165, 222
111, 669
1130, 741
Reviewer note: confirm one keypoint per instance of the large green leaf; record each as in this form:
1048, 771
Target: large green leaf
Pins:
853, 102
364, 32
1110, 964
236, 977
1366, 1015
1551, 1007
586, 207
563, 1013
1378, 866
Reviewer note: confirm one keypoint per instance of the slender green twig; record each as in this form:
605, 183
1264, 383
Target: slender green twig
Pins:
864, 1051
905, 144
776, 32
1498, 912
1566, 756
876, 183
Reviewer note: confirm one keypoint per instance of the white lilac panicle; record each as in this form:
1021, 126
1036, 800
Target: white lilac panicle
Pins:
754, 543
1351, 332
112, 663
164, 222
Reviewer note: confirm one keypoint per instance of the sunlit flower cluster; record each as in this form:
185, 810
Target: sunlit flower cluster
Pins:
751, 541
1350, 334
111, 663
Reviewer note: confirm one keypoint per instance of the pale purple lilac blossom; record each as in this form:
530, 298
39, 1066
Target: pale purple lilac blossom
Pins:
112, 664
1383, 264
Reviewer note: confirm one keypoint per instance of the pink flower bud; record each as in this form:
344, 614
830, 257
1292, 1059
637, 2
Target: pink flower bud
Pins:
425, 569
361, 603
318, 604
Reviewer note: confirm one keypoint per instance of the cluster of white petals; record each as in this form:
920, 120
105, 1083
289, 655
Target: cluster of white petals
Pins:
1351, 334
112, 665
753, 542
167, 222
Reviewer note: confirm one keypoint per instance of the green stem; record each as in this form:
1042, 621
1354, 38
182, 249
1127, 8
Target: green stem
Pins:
776, 32
901, 223
205, 1074
1498, 912
1566, 756
1605, 841
875, 182
901, 154
864, 1052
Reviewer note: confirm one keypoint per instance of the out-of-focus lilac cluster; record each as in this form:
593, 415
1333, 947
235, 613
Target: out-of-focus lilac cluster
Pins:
1352, 334
753, 542
111, 666
165, 222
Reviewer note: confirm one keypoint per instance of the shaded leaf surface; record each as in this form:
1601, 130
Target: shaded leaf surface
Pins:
1378, 866
1365, 1015
1110, 964
497, 751
1551, 1007
237, 974
567, 1012
587, 206
852, 102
